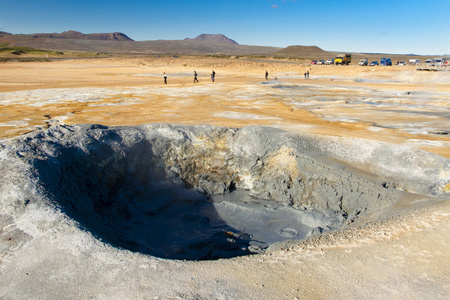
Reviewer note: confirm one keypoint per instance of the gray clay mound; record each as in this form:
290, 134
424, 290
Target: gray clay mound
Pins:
203, 192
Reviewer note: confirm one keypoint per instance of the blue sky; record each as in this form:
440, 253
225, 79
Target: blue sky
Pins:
395, 26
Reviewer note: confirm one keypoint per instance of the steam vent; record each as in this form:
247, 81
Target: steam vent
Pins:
93, 197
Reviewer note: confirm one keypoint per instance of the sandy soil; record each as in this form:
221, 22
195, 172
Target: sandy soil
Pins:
396, 104
403, 257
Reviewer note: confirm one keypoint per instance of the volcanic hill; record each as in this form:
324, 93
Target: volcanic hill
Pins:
302, 51
218, 38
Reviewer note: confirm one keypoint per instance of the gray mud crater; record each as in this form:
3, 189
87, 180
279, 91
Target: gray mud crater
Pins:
204, 192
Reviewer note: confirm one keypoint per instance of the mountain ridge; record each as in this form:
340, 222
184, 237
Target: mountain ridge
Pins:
116, 43
73, 34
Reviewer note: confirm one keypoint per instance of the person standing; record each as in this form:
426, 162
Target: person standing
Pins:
213, 76
267, 75
195, 77
165, 78
307, 74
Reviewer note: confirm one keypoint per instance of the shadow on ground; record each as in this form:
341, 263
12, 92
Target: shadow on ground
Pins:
129, 200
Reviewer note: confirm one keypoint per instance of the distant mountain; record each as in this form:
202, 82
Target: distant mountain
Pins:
218, 38
2, 33
303, 51
119, 43
72, 34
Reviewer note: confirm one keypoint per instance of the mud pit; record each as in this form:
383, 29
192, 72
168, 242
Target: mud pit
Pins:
205, 192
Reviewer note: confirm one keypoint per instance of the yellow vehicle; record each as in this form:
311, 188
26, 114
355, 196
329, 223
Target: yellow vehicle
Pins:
343, 59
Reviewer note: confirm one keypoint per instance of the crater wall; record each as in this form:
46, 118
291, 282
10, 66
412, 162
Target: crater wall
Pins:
110, 180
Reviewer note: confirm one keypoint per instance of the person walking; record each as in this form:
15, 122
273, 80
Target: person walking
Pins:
307, 74
213, 76
195, 77
267, 75
165, 78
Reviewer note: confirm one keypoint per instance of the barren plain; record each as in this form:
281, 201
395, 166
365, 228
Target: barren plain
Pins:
396, 104
400, 251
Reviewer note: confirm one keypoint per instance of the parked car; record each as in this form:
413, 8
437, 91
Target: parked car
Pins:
374, 63
363, 62
314, 62
386, 62
440, 62
330, 61
321, 62
402, 63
